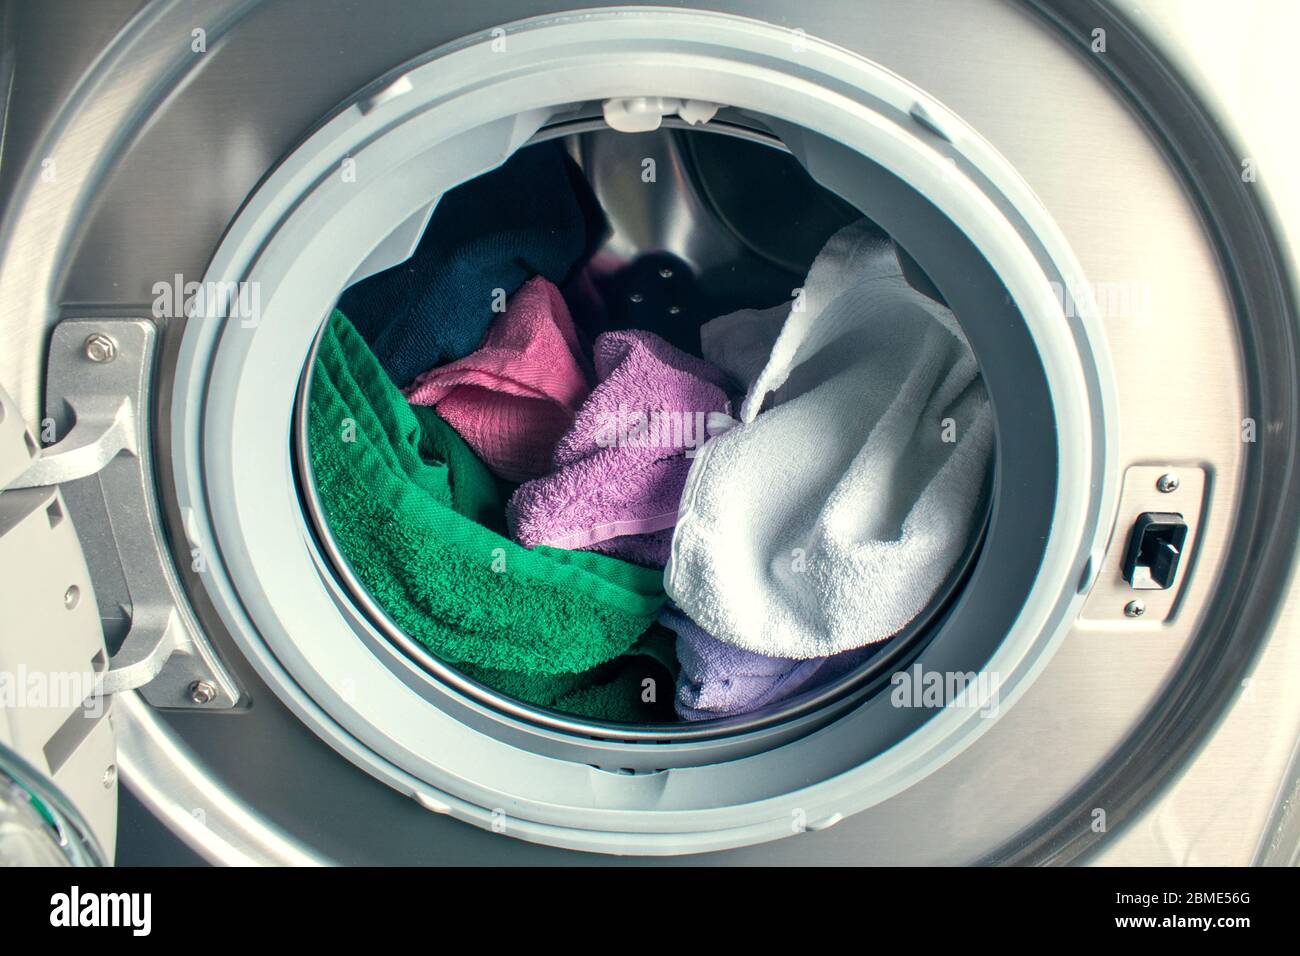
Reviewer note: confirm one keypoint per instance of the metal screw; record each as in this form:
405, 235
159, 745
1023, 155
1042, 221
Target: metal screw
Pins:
71, 596
202, 692
674, 310
110, 776
1167, 483
100, 348
637, 297
665, 273
1134, 609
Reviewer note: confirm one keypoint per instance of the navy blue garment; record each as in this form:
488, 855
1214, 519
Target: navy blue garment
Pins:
533, 215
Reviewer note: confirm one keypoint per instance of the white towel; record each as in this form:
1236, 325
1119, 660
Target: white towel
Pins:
831, 519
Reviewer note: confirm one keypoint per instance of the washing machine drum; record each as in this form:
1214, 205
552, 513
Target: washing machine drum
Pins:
708, 159
640, 306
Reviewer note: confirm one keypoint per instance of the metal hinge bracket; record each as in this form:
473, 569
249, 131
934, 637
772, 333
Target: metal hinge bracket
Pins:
98, 388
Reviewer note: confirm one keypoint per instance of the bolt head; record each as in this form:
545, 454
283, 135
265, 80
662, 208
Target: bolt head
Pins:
1167, 483
202, 692
110, 776
100, 348
1135, 609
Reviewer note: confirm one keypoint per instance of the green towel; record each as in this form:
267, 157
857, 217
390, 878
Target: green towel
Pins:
417, 515
622, 697
615, 691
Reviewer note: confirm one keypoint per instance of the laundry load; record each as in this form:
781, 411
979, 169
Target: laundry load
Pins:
534, 215
514, 397
621, 468
412, 510
721, 680
832, 518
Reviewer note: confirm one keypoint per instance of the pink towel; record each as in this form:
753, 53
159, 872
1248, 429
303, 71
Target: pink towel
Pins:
517, 395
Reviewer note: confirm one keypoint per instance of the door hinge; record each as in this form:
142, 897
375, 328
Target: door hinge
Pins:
98, 385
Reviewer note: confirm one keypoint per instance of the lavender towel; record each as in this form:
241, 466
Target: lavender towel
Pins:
621, 468
721, 680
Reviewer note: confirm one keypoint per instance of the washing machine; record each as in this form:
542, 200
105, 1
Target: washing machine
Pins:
1098, 191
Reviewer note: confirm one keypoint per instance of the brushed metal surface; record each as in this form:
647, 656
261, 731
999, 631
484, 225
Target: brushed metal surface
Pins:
53, 167
95, 240
1221, 809
166, 777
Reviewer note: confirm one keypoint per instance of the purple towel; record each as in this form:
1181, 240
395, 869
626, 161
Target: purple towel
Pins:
722, 680
621, 468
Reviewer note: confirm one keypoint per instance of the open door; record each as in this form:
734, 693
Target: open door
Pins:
58, 769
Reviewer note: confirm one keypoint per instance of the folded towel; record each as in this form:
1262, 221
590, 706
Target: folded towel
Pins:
722, 680
621, 468
513, 398
404, 496
534, 215
833, 518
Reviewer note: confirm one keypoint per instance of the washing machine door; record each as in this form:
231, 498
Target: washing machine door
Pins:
58, 771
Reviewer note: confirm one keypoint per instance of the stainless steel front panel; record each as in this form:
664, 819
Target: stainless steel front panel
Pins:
133, 203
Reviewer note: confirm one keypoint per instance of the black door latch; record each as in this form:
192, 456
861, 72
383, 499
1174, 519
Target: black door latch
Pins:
1154, 550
